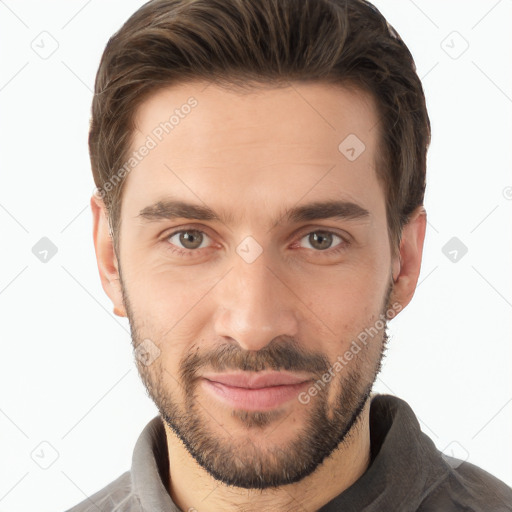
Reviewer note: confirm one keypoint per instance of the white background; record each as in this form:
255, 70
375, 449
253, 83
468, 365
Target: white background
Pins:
68, 377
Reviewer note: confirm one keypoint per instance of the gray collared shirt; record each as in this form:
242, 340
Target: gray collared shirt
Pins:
406, 473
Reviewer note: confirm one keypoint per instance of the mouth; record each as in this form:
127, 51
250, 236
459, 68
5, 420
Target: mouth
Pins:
261, 391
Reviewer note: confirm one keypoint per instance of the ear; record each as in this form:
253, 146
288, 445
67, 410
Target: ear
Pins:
105, 255
407, 264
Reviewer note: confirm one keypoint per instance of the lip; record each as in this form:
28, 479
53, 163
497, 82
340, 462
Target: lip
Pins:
255, 392
257, 380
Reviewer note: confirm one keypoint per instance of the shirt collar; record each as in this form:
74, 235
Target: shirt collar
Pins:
405, 464
150, 469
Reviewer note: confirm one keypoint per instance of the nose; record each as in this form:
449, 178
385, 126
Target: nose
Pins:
255, 304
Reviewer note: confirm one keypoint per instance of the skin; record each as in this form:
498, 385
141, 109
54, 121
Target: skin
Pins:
250, 157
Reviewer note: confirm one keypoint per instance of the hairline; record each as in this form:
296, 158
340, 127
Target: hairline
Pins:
236, 84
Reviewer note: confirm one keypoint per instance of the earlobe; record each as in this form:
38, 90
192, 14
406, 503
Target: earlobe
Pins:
105, 255
407, 264
119, 312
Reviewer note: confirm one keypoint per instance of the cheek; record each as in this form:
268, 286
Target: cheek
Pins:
167, 292
345, 295
168, 310
340, 308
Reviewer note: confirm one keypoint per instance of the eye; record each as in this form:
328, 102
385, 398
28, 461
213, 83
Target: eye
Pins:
187, 242
321, 240
189, 239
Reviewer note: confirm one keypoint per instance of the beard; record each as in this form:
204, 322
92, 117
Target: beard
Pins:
333, 412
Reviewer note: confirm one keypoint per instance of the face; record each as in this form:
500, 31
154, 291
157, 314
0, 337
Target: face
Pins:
253, 257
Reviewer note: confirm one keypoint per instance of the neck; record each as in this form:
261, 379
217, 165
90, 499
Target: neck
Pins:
192, 488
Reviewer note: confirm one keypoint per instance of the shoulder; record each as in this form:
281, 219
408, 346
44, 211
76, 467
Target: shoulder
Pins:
117, 496
466, 487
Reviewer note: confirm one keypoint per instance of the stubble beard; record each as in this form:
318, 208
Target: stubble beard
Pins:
332, 419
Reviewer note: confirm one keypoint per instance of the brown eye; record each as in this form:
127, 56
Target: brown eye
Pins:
188, 239
321, 240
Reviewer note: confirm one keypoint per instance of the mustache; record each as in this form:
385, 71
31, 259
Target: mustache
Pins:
282, 353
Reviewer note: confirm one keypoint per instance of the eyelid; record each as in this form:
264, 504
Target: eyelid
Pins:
324, 231
303, 232
187, 227
300, 233
182, 229
313, 229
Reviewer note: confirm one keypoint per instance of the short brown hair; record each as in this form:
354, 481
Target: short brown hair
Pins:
266, 42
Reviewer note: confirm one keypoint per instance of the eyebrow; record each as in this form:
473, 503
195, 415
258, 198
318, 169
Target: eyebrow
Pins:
169, 209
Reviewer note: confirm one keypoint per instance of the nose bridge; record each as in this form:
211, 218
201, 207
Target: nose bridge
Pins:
254, 306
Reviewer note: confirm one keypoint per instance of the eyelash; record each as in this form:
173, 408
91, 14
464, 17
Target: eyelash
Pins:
342, 246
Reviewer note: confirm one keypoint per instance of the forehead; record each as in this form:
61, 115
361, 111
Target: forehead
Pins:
248, 149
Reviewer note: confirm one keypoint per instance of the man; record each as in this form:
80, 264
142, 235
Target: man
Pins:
259, 218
